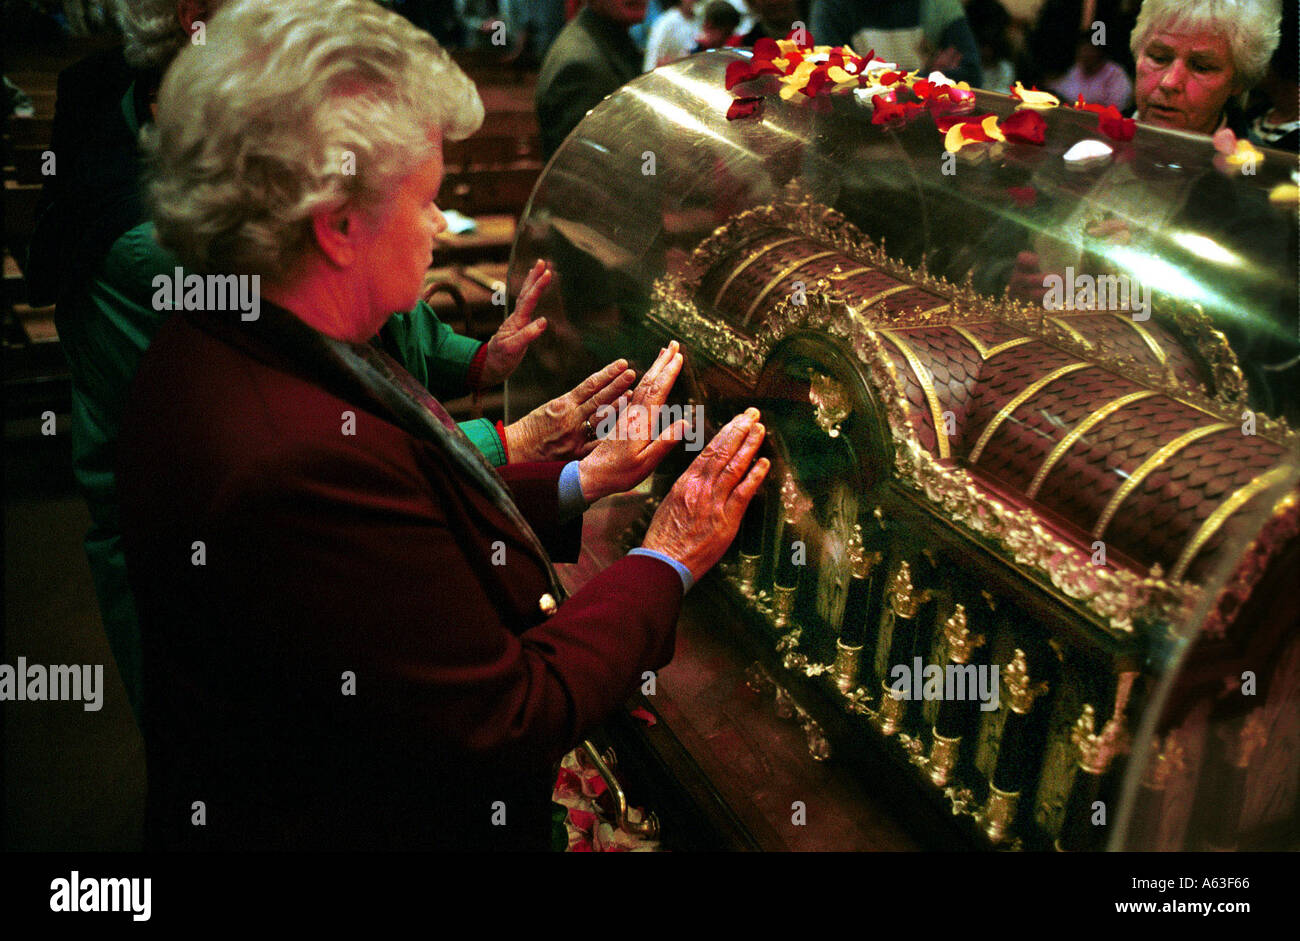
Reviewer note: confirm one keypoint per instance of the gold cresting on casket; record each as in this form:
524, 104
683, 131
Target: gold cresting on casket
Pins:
1116, 596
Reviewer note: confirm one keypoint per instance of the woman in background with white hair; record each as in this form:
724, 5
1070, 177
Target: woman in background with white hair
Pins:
1194, 56
353, 634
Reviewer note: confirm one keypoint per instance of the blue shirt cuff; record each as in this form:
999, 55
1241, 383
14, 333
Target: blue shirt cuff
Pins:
572, 502
683, 572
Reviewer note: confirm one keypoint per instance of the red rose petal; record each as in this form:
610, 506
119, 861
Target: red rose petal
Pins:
974, 132
645, 716
584, 820
741, 70
806, 36
816, 82
745, 108
746, 70
1116, 126
944, 122
893, 113
891, 78
1026, 126
767, 48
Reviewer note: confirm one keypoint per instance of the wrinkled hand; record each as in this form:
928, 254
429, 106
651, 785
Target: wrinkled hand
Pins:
629, 452
506, 349
702, 513
558, 430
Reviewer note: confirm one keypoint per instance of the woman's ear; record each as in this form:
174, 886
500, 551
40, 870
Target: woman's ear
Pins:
335, 233
189, 12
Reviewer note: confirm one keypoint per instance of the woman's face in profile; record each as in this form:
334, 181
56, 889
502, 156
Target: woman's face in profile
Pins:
1184, 80
394, 252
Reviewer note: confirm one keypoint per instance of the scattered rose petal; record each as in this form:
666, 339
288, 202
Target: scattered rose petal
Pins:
1245, 154
1034, 98
1087, 154
584, 820
1116, 126
1284, 195
1026, 126
566, 780
944, 122
816, 82
892, 113
990, 128
644, 715
872, 92
745, 108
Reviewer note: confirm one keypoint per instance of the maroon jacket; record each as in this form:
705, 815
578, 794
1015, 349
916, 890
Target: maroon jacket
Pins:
327, 556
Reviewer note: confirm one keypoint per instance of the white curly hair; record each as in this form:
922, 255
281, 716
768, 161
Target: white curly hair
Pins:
151, 30
291, 108
1250, 26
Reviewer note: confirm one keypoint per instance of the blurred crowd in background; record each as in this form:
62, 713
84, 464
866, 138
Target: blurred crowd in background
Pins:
1071, 47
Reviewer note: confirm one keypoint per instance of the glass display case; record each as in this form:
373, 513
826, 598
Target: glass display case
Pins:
1023, 571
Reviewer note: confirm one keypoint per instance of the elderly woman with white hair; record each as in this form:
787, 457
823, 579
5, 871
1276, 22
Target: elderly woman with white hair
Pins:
96, 254
353, 634
1194, 56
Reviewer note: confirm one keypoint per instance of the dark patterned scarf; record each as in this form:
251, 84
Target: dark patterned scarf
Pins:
349, 368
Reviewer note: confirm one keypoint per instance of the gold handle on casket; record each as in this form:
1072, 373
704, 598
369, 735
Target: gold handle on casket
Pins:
647, 828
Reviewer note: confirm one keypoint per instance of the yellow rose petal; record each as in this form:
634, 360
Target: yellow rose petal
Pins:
1036, 99
1245, 154
838, 75
990, 125
953, 141
1284, 195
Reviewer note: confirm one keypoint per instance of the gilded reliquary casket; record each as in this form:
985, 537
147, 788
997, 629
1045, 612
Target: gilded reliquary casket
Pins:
1032, 552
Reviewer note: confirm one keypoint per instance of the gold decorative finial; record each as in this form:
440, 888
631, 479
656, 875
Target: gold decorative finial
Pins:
961, 643
861, 562
1097, 751
903, 598
1021, 693
829, 401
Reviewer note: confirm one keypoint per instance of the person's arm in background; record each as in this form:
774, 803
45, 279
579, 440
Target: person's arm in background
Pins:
957, 35
948, 31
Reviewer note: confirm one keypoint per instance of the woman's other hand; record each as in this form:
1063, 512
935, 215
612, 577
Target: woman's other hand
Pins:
563, 428
630, 451
701, 514
508, 345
